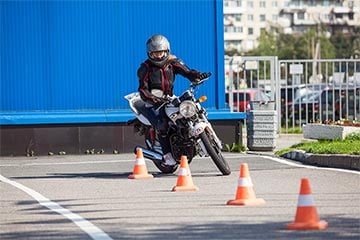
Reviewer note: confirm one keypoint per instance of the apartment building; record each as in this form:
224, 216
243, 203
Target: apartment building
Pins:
244, 19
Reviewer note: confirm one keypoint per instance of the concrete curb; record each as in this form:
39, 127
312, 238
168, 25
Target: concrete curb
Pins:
351, 162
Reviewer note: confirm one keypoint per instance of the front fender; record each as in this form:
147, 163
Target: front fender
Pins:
200, 127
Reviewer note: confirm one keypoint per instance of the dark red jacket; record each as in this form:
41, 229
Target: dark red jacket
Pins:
162, 78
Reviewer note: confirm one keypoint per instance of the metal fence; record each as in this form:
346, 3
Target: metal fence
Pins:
304, 90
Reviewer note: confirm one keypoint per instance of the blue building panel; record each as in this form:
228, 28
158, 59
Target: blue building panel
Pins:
73, 61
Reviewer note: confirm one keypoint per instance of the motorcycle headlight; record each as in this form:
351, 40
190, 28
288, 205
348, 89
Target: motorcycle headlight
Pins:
187, 109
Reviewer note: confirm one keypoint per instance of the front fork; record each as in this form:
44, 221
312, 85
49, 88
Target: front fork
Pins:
197, 129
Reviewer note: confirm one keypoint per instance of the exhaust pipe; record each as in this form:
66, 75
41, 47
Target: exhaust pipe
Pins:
150, 145
153, 156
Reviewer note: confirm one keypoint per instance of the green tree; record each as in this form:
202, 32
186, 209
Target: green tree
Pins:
267, 45
355, 42
328, 50
286, 46
305, 46
342, 44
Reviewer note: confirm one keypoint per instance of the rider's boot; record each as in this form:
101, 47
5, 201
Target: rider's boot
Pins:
169, 159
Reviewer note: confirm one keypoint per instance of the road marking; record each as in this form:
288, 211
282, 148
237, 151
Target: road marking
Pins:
93, 231
309, 167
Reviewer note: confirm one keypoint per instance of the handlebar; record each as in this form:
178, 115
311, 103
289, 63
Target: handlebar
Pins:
166, 99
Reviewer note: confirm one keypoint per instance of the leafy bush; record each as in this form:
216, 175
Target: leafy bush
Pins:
235, 147
353, 137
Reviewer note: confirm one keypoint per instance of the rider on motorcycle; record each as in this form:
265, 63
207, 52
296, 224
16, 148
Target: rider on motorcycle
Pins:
156, 79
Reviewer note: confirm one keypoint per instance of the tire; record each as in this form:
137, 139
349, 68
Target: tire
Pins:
215, 154
164, 168
158, 163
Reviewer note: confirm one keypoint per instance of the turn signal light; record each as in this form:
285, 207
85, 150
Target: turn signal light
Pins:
202, 99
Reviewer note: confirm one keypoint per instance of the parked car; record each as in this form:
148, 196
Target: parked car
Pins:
339, 103
304, 108
313, 102
242, 98
351, 106
331, 103
289, 94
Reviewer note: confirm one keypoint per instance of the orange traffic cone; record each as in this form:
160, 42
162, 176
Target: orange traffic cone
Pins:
140, 171
184, 181
245, 194
306, 214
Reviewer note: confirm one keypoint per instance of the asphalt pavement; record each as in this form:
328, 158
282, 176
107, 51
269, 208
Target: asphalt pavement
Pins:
91, 197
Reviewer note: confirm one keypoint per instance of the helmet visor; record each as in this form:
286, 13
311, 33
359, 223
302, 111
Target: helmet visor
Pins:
158, 55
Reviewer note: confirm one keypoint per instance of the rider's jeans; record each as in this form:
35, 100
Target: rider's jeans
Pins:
159, 120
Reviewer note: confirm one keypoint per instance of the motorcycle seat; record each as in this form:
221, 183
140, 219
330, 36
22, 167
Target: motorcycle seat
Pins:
140, 106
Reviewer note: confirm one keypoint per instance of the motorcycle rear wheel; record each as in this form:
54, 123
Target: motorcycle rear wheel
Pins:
215, 154
164, 168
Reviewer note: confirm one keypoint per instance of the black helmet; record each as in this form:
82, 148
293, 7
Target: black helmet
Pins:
158, 43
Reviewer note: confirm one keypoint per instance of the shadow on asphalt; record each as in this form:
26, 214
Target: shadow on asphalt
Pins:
226, 230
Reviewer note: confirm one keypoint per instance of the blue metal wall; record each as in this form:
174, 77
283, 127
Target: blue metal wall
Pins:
73, 61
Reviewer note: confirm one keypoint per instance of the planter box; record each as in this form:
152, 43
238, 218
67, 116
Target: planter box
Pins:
261, 129
324, 131
256, 143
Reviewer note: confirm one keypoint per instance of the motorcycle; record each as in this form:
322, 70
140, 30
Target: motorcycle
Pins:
190, 133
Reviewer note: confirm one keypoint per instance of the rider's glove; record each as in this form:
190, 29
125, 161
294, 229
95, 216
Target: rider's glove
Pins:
162, 102
157, 105
201, 76
204, 75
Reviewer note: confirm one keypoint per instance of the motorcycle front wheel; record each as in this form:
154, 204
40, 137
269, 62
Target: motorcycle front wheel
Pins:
215, 153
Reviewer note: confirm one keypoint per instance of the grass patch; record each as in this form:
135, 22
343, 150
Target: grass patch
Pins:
293, 130
350, 145
235, 147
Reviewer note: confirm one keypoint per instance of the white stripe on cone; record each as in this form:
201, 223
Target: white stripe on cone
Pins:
305, 200
140, 161
183, 172
245, 182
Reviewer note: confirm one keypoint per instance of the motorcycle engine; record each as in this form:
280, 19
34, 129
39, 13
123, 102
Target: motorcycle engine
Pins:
181, 146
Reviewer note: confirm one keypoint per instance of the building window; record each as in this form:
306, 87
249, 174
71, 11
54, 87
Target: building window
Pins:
274, 17
250, 4
274, 4
250, 17
262, 4
233, 29
326, 17
351, 16
237, 17
232, 3
238, 29
238, 3
250, 31
301, 16
262, 18
233, 44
